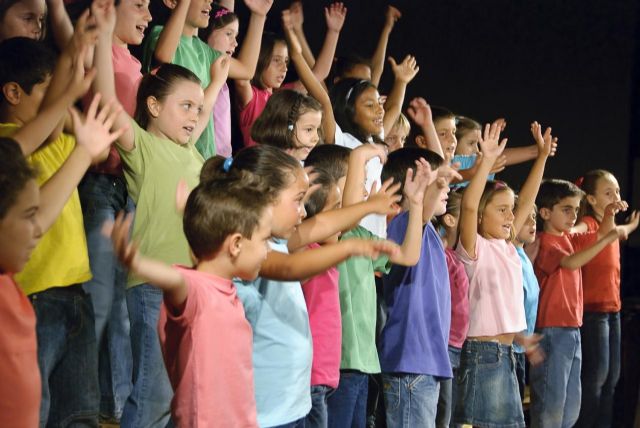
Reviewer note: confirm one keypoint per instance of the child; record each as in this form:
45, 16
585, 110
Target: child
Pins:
157, 152
555, 384
459, 283
488, 389
228, 225
28, 18
398, 135
600, 332
413, 343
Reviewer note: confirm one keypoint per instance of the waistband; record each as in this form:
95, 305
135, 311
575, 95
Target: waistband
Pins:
478, 345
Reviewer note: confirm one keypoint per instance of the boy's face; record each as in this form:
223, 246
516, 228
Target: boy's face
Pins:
562, 217
396, 138
20, 228
441, 208
24, 19
26, 106
446, 130
132, 19
528, 232
254, 250
198, 14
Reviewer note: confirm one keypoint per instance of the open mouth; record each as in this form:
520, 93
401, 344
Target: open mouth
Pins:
189, 129
141, 29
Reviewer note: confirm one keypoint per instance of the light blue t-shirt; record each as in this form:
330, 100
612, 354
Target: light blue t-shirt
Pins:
282, 346
531, 292
466, 162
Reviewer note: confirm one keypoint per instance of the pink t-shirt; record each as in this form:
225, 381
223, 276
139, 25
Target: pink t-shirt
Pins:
127, 76
250, 113
496, 288
322, 296
222, 122
459, 283
208, 354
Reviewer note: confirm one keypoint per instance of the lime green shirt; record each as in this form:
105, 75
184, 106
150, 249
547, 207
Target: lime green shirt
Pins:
195, 55
153, 170
358, 307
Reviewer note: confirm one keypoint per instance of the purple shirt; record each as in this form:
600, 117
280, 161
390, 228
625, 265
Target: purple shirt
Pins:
416, 335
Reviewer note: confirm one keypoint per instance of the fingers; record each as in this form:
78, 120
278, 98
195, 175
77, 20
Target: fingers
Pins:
392, 62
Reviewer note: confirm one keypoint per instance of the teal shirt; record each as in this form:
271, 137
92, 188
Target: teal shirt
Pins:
195, 55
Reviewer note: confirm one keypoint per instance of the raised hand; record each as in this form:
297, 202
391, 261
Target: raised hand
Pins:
490, 142
547, 144
80, 81
335, 15
420, 112
448, 172
385, 200
259, 7
371, 248
625, 230
104, 14
296, 15
220, 69
391, 16
415, 183
615, 207
85, 33
406, 70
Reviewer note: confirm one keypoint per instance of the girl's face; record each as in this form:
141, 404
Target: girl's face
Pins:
369, 112
254, 250
396, 138
446, 130
20, 227
132, 19
24, 19
273, 76
468, 144
528, 232
496, 220
305, 134
288, 211
607, 192
224, 39
176, 117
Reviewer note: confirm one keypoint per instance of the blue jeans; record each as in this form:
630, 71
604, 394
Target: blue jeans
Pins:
410, 400
318, 416
521, 372
600, 367
67, 357
447, 397
300, 423
348, 404
150, 400
555, 383
487, 386
102, 197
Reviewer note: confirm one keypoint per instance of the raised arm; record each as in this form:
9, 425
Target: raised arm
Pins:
172, 31
334, 15
245, 66
60, 23
354, 187
219, 72
404, 73
377, 61
468, 223
297, 20
420, 112
527, 195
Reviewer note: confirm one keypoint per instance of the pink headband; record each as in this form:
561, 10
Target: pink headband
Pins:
221, 12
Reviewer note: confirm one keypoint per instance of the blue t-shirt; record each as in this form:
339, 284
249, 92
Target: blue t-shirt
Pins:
466, 162
416, 336
282, 346
531, 292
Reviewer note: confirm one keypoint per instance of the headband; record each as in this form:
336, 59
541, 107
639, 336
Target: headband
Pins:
579, 182
221, 12
350, 91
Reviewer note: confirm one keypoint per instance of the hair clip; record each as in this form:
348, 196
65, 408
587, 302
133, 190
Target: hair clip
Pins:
221, 12
350, 91
579, 182
290, 126
227, 164
499, 185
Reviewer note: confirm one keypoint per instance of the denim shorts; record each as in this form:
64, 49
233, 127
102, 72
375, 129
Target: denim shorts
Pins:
487, 388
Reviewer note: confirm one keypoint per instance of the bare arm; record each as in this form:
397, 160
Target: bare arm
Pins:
245, 66
172, 31
354, 186
404, 73
581, 258
377, 61
335, 15
60, 23
219, 72
420, 112
297, 20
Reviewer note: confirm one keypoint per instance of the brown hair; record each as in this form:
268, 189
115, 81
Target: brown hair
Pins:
492, 188
224, 18
465, 125
269, 41
588, 184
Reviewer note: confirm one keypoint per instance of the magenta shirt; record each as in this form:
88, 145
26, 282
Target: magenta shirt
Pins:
222, 122
459, 283
323, 304
250, 113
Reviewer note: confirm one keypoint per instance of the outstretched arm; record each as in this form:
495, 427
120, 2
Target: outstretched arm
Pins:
172, 31
404, 73
354, 187
377, 61
335, 15
420, 112
60, 23
297, 20
245, 66
219, 72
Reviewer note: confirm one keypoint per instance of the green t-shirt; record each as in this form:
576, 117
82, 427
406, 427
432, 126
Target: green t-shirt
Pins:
358, 307
195, 55
153, 170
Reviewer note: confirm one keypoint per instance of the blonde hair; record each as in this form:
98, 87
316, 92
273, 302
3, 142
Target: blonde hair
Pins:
492, 188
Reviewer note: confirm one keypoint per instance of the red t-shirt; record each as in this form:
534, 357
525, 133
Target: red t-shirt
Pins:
459, 283
561, 302
250, 113
20, 388
601, 276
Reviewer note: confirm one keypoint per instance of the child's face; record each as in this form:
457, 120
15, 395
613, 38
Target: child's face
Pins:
254, 250
132, 19
24, 19
176, 117
20, 228
496, 220
369, 113
274, 74
528, 232
607, 192
441, 208
305, 134
198, 14
396, 138
446, 130
288, 211
224, 39
562, 217
468, 144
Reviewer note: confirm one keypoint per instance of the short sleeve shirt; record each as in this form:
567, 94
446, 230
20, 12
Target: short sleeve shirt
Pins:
466, 162
249, 113
531, 293
459, 283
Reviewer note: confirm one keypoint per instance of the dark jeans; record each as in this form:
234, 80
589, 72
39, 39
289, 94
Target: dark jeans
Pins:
103, 197
447, 398
318, 417
300, 423
348, 404
67, 356
600, 335
521, 373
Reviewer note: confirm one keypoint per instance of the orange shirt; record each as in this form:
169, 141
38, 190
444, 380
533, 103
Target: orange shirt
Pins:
561, 302
20, 388
601, 276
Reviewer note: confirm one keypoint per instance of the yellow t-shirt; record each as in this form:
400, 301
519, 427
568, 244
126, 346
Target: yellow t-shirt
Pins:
61, 257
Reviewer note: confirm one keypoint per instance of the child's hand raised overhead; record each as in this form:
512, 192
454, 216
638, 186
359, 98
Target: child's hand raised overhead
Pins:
420, 112
80, 79
385, 201
490, 142
406, 70
415, 183
85, 33
448, 172
259, 7
335, 15
296, 15
391, 16
547, 144
104, 14
370, 151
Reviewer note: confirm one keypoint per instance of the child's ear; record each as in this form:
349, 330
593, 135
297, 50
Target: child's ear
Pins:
234, 244
421, 141
12, 92
591, 200
171, 4
153, 105
449, 220
545, 213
